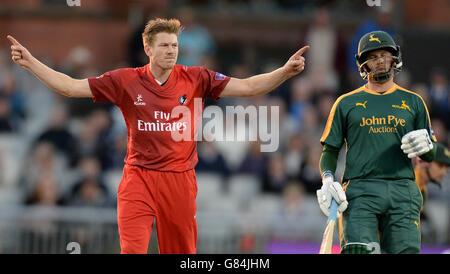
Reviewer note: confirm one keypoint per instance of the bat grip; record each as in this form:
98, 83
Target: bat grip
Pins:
333, 210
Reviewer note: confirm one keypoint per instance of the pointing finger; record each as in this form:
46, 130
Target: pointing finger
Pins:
301, 51
13, 40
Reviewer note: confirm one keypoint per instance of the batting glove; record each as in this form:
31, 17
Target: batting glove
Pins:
331, 189
416, 143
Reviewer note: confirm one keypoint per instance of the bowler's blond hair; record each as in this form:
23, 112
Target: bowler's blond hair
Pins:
158, 25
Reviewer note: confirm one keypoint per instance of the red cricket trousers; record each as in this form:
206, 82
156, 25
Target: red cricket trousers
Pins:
144, 195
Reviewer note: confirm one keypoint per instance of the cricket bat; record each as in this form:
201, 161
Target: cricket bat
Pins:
327, 240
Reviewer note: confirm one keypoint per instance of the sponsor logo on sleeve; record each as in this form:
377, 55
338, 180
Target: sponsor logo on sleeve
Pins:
219, 76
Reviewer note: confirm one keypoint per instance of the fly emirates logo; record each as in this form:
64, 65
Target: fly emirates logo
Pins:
161, 123
387, 124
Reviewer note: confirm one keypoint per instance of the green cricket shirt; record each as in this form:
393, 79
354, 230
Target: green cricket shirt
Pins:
372, 125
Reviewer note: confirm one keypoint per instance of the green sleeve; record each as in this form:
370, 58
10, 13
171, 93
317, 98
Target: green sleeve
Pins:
328, 159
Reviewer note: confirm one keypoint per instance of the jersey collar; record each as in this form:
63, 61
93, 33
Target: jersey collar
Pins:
168, 83
391, 90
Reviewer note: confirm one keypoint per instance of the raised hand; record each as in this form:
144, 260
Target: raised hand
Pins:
296, 63
19, 54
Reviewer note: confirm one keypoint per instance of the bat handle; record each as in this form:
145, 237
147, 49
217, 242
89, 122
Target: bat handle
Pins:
333, 210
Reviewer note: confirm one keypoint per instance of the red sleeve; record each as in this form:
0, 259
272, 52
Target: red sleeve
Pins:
107, 87
213, 83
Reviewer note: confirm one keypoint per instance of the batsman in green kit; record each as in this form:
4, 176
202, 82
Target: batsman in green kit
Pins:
383, 126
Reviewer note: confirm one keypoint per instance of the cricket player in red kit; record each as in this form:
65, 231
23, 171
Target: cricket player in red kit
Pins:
158, 178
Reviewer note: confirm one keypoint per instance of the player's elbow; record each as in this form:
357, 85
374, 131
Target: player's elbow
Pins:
70, 92
65, 91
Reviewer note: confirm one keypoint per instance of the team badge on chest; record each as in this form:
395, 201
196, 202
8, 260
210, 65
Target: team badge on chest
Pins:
183, 99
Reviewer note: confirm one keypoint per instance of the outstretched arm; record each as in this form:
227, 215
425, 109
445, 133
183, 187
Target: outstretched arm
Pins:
59, 82
264, 83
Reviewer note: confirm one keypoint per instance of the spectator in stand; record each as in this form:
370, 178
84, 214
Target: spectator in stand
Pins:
275, 176
440, 131
116, 154
294, 156
196, 42
422, 90
310, 174
440, 94
45, 192
293, 220
42, 166
59, 135
94, 137
403, 79
90, 190
311, 124
9, 89
12, 100
324, 106
87, 138
7, 123
323, 39
211, 160
102, 122
302, 95
287, 123
255, 161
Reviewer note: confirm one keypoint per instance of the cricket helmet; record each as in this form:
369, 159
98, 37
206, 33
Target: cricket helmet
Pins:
377, 40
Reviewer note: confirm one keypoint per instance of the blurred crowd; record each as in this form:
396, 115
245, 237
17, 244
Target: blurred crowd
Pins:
70, 145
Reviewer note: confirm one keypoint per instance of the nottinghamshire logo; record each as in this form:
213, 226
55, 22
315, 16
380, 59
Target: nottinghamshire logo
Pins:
402, 106
387, 124
374, 39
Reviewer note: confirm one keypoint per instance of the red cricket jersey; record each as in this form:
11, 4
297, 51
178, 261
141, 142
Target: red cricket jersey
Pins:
153, 113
